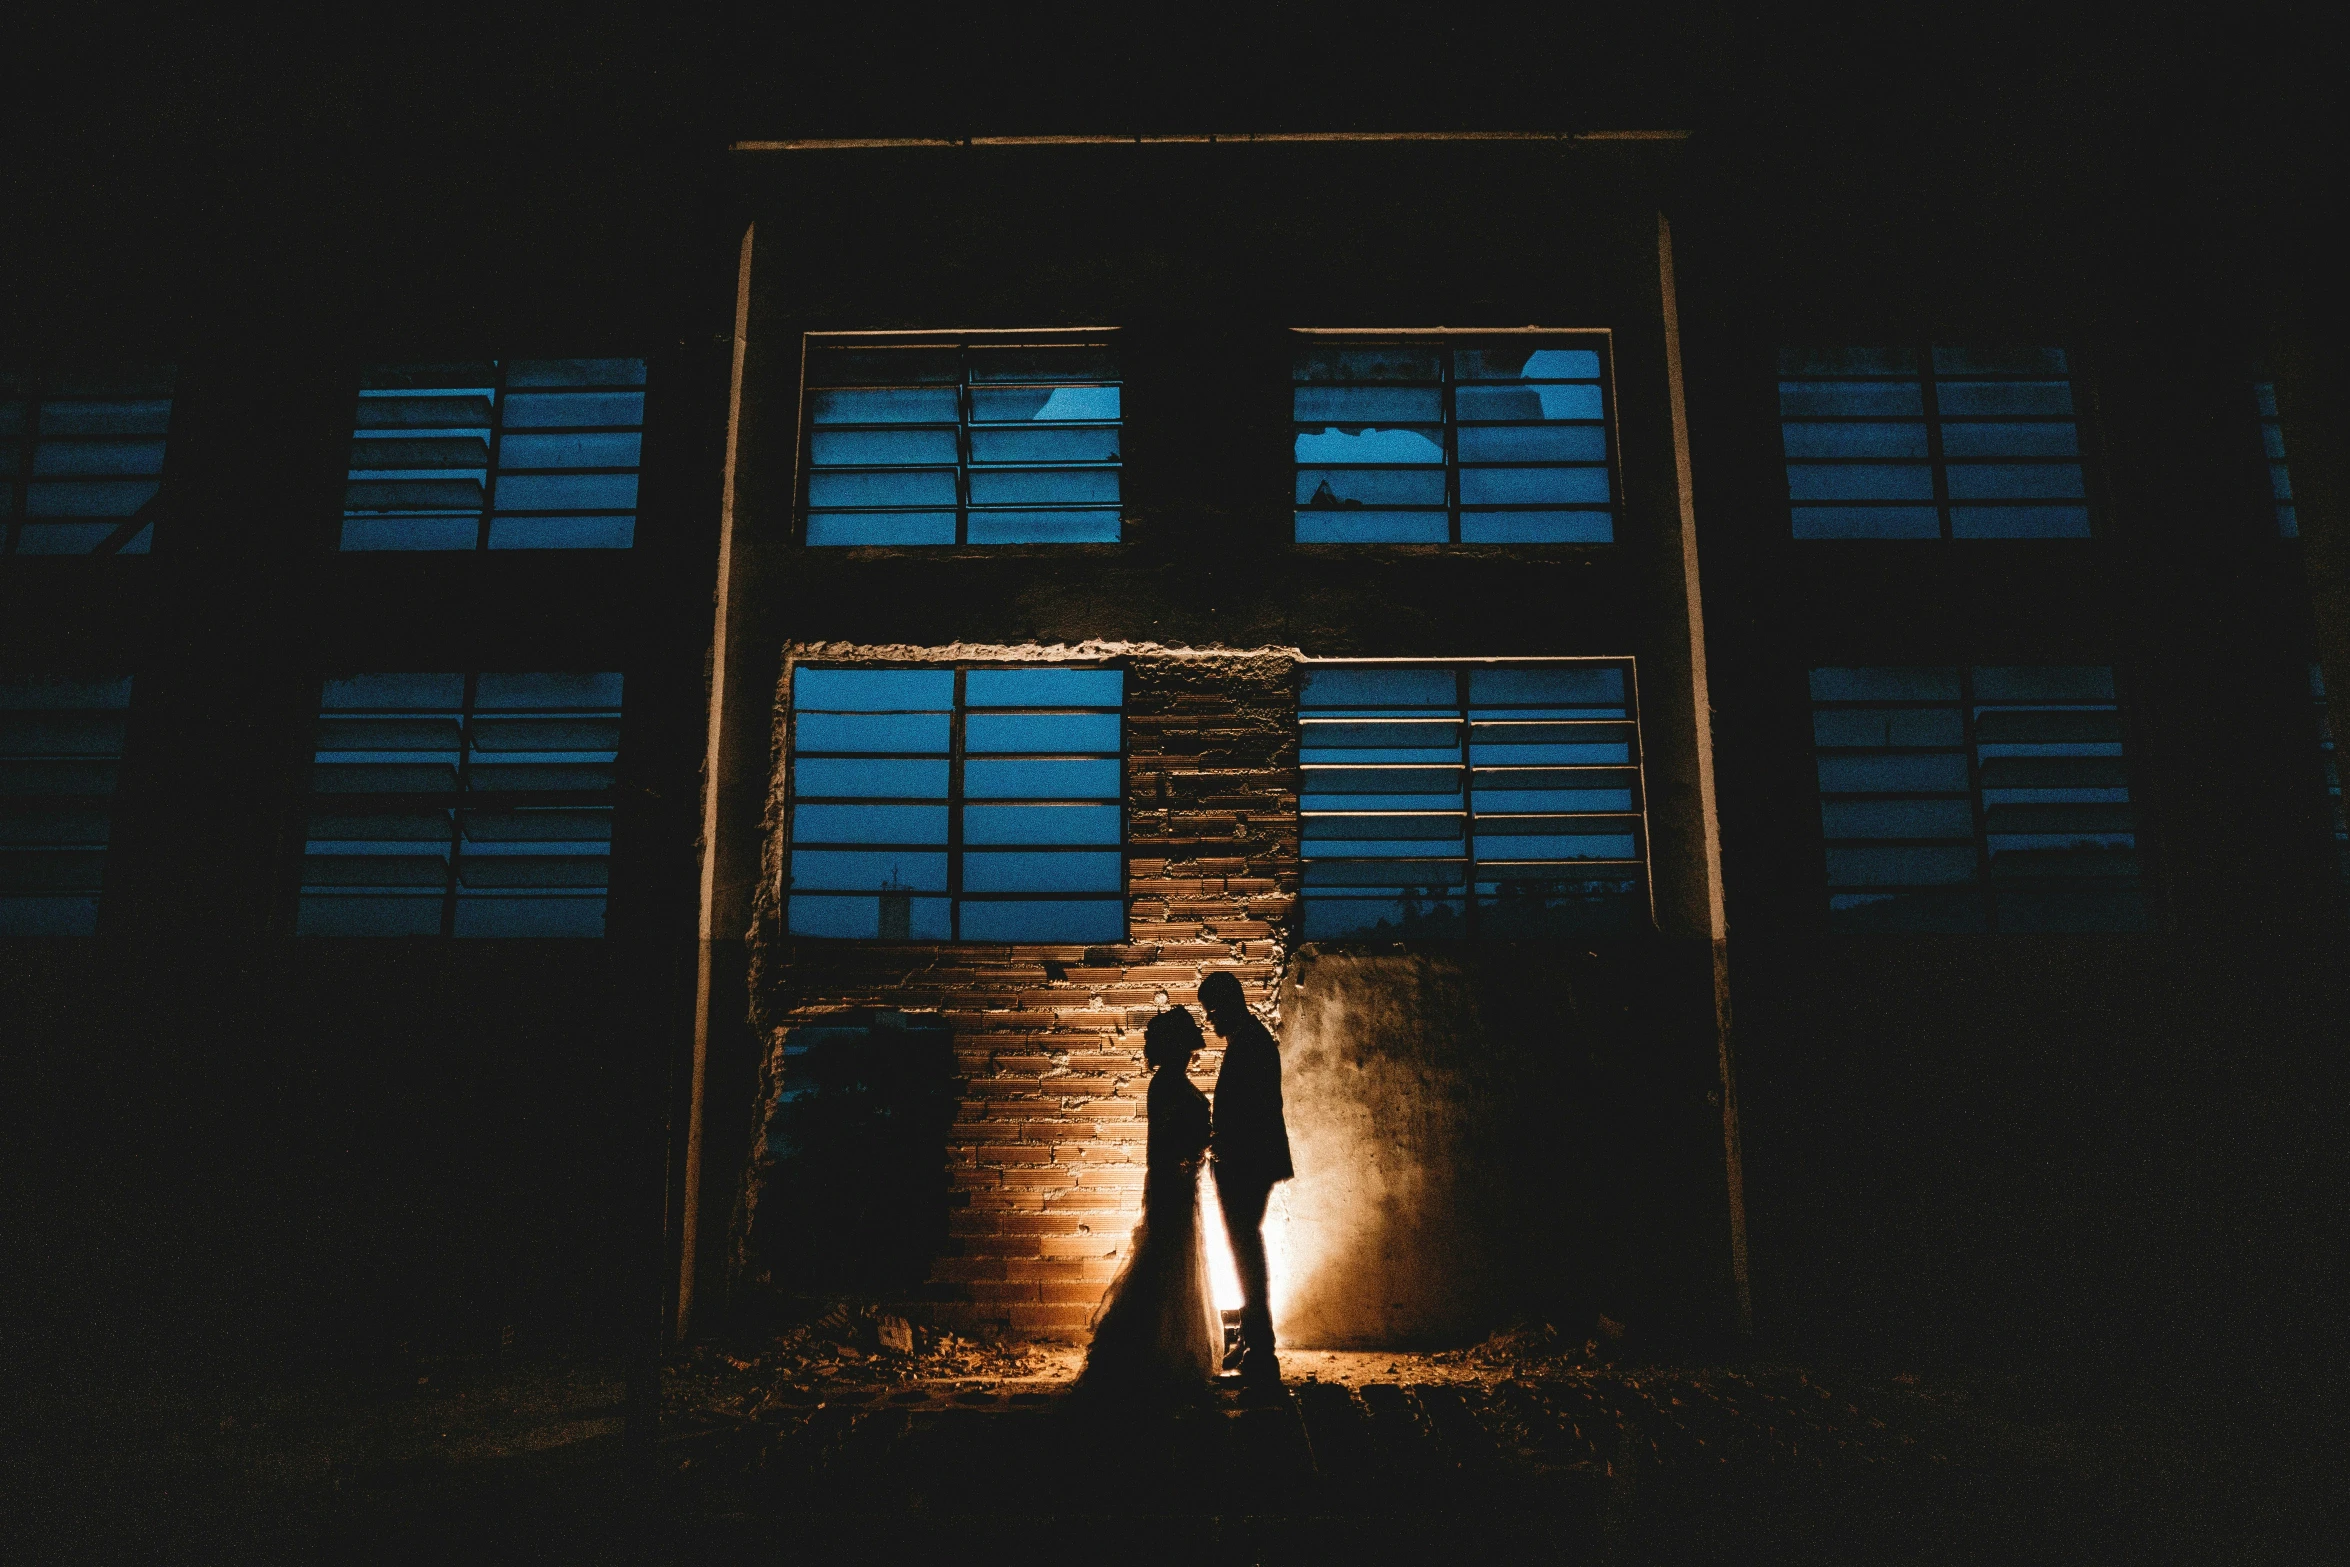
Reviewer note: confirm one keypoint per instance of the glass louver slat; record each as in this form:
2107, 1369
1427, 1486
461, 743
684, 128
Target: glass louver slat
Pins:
956, 803
1994, 798
81, 461
461, 805
61, 741
496, 455
979, 442
1451, 442
1931, 442
1495, 800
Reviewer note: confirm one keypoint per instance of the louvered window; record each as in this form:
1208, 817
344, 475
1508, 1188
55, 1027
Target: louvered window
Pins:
1436, 441
83, 456
2330, 761
985, 441
957, 804
517, 454
1926, 443
60, 747
1498, 800
2280, 479
461, 805
1991, 798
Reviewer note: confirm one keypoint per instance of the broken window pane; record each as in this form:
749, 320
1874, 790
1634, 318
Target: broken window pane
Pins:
496, 454
974, 804
973, 443
1486, 443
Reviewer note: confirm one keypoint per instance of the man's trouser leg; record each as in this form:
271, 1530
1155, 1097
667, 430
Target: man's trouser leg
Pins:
1243, 1198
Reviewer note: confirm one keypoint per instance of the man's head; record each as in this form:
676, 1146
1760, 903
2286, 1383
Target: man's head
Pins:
1220, 998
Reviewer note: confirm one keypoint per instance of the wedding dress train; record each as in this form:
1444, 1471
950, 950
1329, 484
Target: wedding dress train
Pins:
1157, 1331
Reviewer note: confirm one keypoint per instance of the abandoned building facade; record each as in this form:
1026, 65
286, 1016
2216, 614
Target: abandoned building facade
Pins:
1758, 776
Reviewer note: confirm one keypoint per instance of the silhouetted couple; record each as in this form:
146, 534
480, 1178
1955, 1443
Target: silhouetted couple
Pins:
1158, 1331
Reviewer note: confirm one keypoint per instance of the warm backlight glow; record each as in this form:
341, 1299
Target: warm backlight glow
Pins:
1282, 1262
1223, 1278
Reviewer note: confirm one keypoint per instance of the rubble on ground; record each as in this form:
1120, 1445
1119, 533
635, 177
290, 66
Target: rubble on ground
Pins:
1536, 1393
848, 1346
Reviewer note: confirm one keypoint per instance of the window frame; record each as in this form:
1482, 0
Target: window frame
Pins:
500, 388
2323, 718
2276, 465
1451, 339
955, 801
962, 340
458, 802
1461, 667
1984, 889
2078, 376
32, 805
40, 386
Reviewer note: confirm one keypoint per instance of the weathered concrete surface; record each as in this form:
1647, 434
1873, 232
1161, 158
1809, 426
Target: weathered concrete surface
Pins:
1434, 1158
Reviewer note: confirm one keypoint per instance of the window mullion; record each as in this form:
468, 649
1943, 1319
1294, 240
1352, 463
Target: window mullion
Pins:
1974, 782
489, 479
1448, 409
791, 787
955, 811
1931, 400
1125, 860
964, 408
1639, 756
457, 813
1460, 677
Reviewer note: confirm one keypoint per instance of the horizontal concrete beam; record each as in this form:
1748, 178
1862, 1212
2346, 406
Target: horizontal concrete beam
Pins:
844, 143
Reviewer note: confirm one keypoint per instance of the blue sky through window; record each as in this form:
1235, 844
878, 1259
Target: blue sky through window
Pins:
1435, 442
957, 804
1926, 443
987, 442
461, 805
496, 454
1500, 800
81, 458
1990, 798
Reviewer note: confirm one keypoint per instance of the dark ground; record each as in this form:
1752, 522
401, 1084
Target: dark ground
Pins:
816, 1440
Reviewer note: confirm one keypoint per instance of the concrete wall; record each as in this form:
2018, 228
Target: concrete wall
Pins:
1407, 1118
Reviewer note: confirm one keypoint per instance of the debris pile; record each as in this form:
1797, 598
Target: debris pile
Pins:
847, 1346
1528, 1345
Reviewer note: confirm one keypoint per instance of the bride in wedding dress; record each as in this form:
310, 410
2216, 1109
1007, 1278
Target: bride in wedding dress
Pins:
1156, 1333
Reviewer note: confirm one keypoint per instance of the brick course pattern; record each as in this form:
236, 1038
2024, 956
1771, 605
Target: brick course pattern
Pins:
1045, 1152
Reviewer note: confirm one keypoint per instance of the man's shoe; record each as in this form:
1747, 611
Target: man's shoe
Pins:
1260, 1372
1234, 1356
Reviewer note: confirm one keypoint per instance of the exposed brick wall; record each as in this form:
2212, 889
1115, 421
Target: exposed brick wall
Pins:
1046, 1151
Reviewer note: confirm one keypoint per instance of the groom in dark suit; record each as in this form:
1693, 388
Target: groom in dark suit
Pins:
1251, 1150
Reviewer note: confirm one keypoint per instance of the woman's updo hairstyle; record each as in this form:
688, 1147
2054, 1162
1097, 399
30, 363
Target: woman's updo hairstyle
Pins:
1170, 1038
